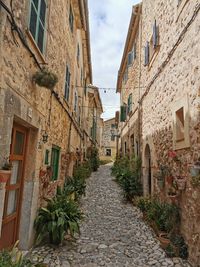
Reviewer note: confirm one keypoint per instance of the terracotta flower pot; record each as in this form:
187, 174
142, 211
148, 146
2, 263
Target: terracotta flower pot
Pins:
4, 175
164, 240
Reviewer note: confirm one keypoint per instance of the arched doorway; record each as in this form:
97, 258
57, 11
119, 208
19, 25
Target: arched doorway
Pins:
148, 181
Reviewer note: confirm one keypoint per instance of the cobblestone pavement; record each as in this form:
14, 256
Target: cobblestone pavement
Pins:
113, 233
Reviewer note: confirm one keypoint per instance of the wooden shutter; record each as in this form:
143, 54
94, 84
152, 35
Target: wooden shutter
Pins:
146, 54
55, 162
155, 35
123, 111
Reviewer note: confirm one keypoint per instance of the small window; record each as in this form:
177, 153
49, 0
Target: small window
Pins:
71, 19
37, 22
146, 54
113, 126
55, 155
180, 125
67, 83
125, 148
108, 152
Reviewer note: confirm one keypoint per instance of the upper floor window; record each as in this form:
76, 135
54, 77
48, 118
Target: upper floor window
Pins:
132, 56
37, 22
67, 83
152, 45
71, 19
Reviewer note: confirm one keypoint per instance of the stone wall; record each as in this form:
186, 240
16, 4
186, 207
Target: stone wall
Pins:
171, 81
37, 108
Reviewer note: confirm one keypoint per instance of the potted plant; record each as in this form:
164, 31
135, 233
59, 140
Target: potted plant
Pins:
45, 78
5, 171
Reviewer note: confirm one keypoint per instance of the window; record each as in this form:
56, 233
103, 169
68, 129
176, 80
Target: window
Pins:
55, 155
37, 22
152, 45
108, 152
125, 77
67, 83
180, 111
180, 125
129, 103
113, 126
71, 19
132, 56
125, 148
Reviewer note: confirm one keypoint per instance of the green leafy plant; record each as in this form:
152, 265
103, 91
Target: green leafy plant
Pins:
14, 258
128, 172
196, 180
45, 78
61, 215
165, 215
179, 242
94, 159
143, 203
170, 251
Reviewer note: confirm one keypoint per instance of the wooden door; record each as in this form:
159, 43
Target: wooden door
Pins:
14, 188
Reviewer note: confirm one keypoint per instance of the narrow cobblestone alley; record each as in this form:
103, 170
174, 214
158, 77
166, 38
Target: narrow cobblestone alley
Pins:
113, 233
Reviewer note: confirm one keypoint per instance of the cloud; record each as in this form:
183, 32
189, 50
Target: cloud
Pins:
109, 20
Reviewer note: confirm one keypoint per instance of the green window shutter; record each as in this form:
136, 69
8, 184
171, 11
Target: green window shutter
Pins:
155, 35
146, 54
37, 22
47, 157
55, 155
123, 111
67, 83
130, 103
71, 19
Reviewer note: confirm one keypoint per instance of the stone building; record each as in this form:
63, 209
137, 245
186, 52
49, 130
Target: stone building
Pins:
109, 140
42, 131
159, 84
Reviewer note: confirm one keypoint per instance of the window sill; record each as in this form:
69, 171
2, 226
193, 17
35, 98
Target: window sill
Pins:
41, 56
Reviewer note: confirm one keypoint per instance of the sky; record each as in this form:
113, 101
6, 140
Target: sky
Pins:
109, 21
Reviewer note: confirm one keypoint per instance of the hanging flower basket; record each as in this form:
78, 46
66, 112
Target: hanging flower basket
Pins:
45, 78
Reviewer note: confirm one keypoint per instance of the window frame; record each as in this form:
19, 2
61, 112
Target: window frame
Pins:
38, 23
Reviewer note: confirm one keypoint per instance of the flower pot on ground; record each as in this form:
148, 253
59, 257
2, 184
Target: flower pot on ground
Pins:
164, 240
